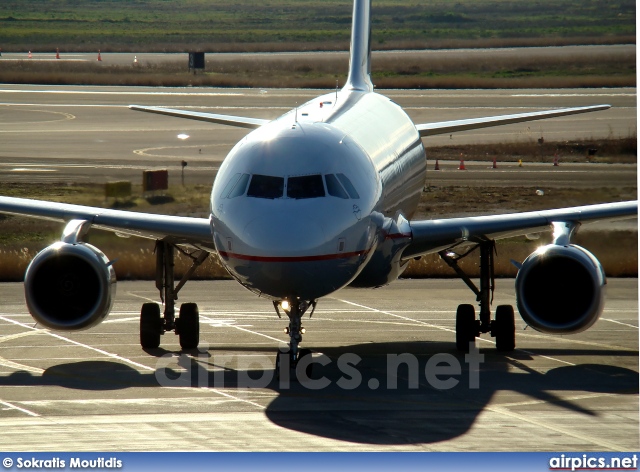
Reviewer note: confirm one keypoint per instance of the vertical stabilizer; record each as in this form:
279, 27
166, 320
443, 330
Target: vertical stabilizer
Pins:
360, 59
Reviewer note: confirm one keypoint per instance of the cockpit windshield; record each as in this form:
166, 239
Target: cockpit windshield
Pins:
266, 186
307, 186
298, 187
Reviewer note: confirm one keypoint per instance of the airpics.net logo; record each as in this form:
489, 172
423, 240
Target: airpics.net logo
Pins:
442, 371
587, 462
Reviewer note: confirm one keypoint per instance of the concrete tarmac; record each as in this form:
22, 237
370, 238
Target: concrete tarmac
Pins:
98, 390
87, 134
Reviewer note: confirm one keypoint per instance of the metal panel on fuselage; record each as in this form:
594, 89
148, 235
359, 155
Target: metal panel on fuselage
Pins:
389, 137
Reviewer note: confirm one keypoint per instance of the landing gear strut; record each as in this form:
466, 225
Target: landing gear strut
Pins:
467, 326
186, 326
295, 309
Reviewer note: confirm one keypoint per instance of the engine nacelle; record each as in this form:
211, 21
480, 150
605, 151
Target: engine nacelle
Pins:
70, 286
560, 289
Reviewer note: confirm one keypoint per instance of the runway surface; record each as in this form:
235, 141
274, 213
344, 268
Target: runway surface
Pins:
87, 134
97, 389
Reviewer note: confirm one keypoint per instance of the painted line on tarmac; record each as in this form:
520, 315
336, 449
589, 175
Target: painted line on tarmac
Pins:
14, 407
98, 105
583, 438
451, 330
215, 322
71, 341
128, 361
124, 92
20, 367
504, 411
619, 322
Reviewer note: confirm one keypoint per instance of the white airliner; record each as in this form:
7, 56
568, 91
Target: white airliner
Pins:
316, 200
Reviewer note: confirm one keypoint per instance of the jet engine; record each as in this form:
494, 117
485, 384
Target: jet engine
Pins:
70, 286
560, 289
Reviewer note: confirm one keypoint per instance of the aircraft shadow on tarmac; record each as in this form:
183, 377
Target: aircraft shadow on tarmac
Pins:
360, 413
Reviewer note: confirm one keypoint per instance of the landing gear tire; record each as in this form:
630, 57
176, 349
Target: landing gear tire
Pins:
188, 326
466, 327
150, 326
308, 371
504, 329
284, 360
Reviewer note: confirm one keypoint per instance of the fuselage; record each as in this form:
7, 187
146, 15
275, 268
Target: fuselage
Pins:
302, 205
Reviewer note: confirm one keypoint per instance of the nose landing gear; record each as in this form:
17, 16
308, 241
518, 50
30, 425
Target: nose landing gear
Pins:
289, 358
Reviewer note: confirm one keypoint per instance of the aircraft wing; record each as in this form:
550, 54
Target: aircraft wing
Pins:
177, 229
237, 121
447, 127
430, 236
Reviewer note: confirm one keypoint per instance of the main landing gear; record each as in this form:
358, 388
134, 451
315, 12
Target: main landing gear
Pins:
186, 326
468, 327
287, 360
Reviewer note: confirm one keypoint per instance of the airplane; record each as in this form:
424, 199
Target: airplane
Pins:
313, 201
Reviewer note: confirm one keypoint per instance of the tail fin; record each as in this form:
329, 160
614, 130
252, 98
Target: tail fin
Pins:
360, 58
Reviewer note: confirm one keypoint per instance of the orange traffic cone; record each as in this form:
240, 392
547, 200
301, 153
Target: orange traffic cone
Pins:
462, 167
437, 167
57, 53
30, 56
99, 56
495, 164
519, 162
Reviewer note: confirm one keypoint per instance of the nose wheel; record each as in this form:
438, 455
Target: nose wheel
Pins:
289, 359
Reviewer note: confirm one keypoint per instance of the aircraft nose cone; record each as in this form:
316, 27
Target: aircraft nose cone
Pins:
281, 235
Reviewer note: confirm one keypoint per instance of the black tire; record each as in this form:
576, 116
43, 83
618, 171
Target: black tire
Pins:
150, 326
466, 327
504, 328
279, 362
188, 326
309, 369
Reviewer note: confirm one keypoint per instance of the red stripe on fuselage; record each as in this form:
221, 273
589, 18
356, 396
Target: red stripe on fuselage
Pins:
323, 257
397, 235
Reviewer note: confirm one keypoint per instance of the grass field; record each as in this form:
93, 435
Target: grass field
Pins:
503, 68
221, 25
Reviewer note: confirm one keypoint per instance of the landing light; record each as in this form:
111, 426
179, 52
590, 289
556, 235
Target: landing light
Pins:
285, 305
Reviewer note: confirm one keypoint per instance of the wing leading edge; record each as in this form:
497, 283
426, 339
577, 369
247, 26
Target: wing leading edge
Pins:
237, 121
447, 127
177, 229
435, 235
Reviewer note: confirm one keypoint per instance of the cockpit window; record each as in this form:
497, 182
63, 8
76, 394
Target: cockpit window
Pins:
334, 188
266, 186
229, 186
307, 186
351, 190
240, 186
